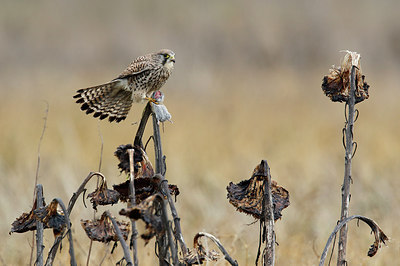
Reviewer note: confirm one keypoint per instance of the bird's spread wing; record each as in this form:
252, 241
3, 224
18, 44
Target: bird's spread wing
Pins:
107, 100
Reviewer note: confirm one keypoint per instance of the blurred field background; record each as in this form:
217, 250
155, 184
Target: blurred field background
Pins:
246, 87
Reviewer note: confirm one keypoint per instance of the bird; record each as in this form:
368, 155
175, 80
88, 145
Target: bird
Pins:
144, 76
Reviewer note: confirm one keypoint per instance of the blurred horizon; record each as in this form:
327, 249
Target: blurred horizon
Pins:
246, 87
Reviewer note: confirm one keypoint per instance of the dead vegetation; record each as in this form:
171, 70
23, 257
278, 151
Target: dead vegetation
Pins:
346, 84
150, 198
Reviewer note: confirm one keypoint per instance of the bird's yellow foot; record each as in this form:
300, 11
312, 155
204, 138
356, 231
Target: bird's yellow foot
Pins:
152, 100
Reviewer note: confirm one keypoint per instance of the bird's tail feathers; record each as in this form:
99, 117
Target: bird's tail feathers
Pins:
106, 100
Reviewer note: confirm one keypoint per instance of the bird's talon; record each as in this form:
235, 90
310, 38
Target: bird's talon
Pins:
152, 100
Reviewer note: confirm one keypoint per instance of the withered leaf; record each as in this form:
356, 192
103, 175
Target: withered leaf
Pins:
148, 211
141, 163
377, 244
52, 218
248, 194
103, 196
336, 85
48, 215
26, 222
102, 229
380, 236
199, 255
144, 187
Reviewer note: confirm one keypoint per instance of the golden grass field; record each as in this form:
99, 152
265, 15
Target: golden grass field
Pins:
247, 86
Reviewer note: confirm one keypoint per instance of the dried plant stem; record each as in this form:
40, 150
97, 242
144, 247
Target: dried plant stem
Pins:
97, 185
268, 209
165, 221
125, 247
71, 242
379, 235
82, 189
40, 144
342, 243
160, 169
142, 126
90, 246
39, 227
37, 172
219, 245
131, 204
53, 249
57, 241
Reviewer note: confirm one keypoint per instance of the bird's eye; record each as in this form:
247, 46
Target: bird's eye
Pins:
167, 56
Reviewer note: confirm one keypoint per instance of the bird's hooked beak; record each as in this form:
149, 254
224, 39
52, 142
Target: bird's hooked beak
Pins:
172, 58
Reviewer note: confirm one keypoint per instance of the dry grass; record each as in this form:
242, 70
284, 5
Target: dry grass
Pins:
225, 122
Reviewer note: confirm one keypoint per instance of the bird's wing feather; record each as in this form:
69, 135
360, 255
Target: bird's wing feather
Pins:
138, 66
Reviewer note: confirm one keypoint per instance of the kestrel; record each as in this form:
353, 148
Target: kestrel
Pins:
145, 75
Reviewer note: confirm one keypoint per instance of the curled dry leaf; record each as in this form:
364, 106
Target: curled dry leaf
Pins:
149, 211
336, 85
144, 187
380, 236
248, 194
142, 165
48, 215
102, 229
52, 218
199, 255
26, 222
103, 196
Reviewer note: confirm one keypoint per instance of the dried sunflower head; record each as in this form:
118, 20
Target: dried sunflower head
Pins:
336, 85
102, 229
247, 195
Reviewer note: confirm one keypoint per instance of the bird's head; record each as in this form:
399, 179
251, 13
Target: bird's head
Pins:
167, 57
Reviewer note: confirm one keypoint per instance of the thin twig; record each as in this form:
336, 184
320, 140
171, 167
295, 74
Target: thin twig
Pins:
53, 249
105, 255
39, 227
37, 173
342, 243
219, 245
125, 247
333, 248
101, 147
97, 186
131, 204
40, 144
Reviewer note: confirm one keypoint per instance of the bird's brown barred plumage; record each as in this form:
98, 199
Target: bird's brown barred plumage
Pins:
142, 77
